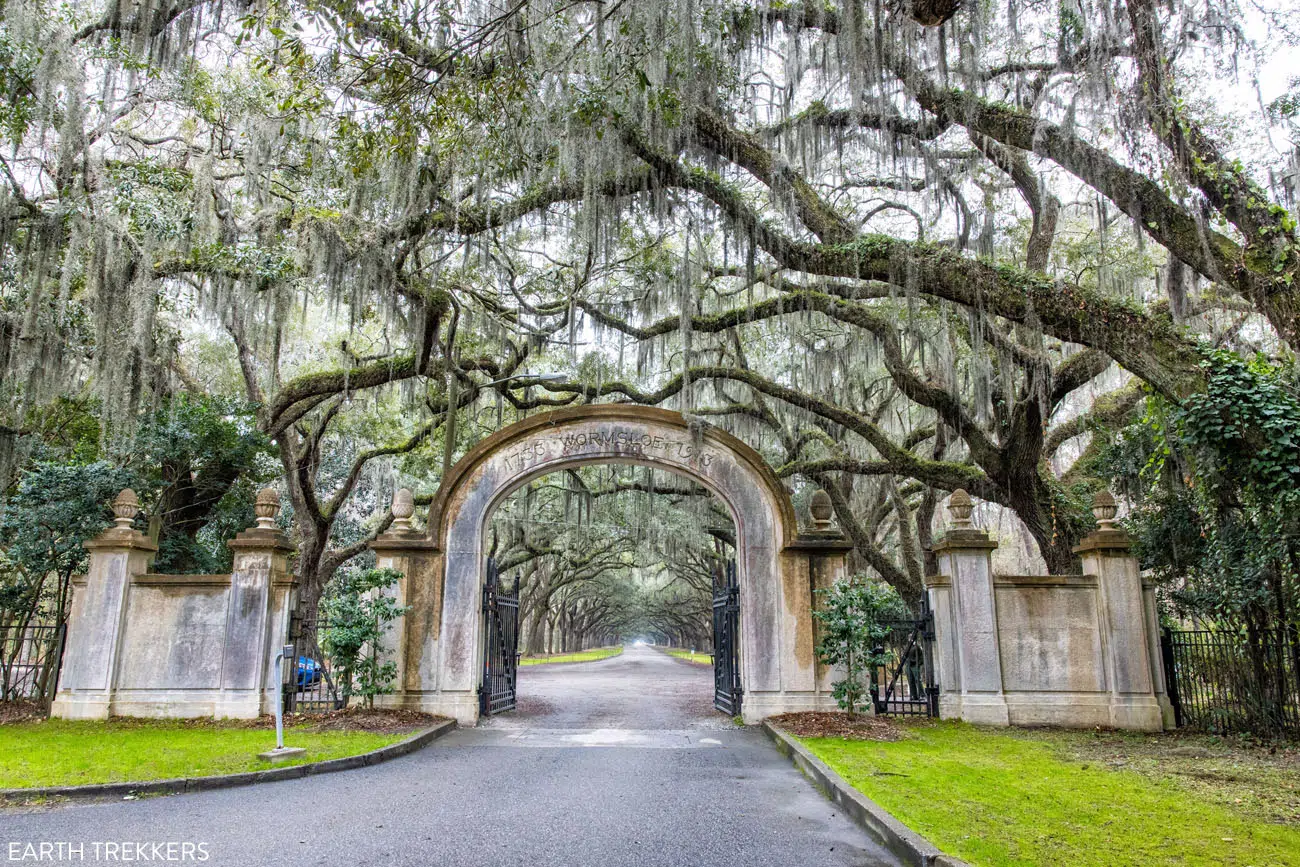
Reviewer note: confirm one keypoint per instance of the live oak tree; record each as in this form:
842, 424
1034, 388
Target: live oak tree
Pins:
898, 250
606, 554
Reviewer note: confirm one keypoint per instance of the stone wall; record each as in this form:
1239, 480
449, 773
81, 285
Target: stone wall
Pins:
1068, 650
141, 644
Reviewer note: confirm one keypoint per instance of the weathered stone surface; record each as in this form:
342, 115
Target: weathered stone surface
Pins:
142, 644
1049, 637
175, 635
97, 614
442, 654
1067, 650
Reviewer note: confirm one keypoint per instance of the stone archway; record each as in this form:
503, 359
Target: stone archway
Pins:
439, 641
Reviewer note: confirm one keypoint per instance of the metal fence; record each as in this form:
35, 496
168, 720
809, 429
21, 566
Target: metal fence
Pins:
905, 684
309, 685
1230, 681
30, 657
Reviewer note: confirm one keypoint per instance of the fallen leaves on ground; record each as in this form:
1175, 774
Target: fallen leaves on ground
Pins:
822, 724
20, 711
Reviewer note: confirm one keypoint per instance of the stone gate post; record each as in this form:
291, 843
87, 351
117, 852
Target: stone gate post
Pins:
262, 598
409, 551
1129, 629
968, 662
97, 616
823, 552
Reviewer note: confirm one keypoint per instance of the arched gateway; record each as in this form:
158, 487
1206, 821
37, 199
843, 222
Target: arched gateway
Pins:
440, 642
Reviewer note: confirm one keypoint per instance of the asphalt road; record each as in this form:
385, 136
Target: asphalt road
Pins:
619, 763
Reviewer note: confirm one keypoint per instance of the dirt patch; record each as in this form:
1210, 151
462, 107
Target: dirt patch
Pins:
20, 711
377, 720
818, 724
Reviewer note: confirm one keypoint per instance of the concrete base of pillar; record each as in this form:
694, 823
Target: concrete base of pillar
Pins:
758, 706
986, 710
1066, 710
460, 706
80, 706
1137, 713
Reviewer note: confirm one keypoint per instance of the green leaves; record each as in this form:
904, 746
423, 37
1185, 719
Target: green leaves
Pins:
57, 507
1216, 483
852, 617
359, 611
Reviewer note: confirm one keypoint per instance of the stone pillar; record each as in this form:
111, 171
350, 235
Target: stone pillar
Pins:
812, 562
1127, 619
98, 613
968, 662
262, 598
410, 552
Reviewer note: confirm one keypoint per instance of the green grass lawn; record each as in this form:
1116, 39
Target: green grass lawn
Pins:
73, 753
582, 656
997, 797
691, 656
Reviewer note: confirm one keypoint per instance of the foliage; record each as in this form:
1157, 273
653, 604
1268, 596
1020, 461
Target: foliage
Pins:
75, 753
359, 611
606, 554
55, 509
1216, 485
709, 188
996, 797
200, 460
852, 616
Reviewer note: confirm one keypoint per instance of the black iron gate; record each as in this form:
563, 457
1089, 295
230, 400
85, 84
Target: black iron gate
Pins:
1227, 680
908, 669
500, 645
308, 682
30, 658
726, 643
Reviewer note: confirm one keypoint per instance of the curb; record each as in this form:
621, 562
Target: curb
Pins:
10, 797
900, 840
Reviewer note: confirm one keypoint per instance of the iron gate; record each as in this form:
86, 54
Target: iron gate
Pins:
308, 682
908, 669
1229, 680
500, 645
30, 658
726, 644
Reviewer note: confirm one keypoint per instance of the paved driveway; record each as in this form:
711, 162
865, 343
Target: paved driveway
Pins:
610, 764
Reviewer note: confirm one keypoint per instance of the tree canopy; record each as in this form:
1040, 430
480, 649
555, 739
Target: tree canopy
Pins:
899, 248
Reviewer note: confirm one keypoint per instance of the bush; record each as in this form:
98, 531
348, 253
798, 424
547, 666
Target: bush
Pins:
358, 613
853, 617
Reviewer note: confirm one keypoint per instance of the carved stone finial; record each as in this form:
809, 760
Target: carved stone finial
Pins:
959, 506
125, 508
821, 510
1104, 509
266, 507
403, 509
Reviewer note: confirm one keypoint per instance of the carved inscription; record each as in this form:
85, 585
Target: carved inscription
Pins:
621, 442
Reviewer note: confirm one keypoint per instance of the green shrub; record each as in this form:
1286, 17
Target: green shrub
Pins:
358, 613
